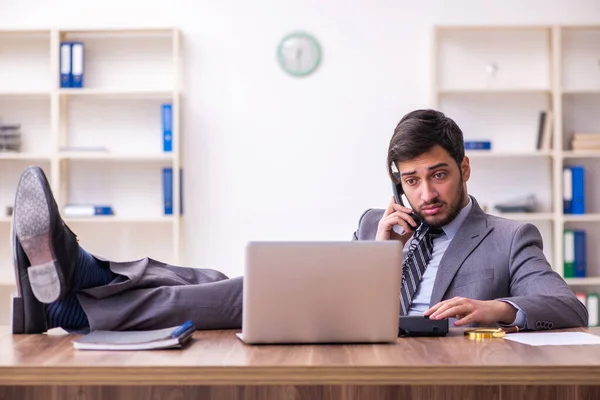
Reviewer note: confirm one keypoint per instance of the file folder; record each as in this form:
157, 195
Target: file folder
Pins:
567, 190
77, 64
167, 125
167, 178
578, 189
569, 254
580, 259
65, 64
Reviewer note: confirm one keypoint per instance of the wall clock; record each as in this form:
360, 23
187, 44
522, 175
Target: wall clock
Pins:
299, 54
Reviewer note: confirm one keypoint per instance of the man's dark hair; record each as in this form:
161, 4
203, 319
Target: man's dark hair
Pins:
420, 130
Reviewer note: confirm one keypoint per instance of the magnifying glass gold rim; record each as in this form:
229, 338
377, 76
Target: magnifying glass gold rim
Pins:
485, 333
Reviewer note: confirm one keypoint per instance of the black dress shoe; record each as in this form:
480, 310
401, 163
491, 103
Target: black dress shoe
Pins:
45, 252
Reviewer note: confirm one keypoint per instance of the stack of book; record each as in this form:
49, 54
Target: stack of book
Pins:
585, 141
10, 137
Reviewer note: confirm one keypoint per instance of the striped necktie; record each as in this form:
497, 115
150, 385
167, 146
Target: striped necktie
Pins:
414, 266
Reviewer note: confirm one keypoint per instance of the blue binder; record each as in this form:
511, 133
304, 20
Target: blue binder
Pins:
567, 190
478, 145
578, 189
77, 64
580, 254
65, 64
181, 191
167, 125
167, 178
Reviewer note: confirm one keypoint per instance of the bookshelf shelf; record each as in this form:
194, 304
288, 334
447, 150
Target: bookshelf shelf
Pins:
110, 220
589, 281
25, 156
457, 91
126, 93
580, 91
106, 156
507, 154
581, 218
581, 154
527, 216
121, 220
121, 31
25, 94
24, 32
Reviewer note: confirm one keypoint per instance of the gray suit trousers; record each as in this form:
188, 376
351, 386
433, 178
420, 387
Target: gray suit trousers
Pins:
148, 294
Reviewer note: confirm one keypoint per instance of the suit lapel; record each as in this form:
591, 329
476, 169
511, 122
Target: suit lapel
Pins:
472, 231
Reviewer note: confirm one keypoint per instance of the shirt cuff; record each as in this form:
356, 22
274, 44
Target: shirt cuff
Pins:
520, 319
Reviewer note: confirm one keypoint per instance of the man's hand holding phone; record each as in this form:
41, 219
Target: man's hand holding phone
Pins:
395, 214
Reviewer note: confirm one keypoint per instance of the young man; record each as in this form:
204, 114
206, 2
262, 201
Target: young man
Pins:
495, 265
463, 263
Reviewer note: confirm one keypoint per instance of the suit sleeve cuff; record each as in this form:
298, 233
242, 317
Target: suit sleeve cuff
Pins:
520, 319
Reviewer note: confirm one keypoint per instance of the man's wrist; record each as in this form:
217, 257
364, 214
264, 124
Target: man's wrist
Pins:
506, 312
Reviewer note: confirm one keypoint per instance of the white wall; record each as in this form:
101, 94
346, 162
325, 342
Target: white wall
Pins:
268, 156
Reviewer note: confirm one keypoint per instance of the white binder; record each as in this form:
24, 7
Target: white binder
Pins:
65, 64
77, 64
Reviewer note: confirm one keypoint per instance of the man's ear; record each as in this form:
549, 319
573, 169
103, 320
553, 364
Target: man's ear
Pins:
465, 168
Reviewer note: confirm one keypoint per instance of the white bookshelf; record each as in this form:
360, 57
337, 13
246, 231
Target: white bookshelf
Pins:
128, 74
494, 81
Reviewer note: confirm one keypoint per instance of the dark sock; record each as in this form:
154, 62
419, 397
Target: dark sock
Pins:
67, 313
91, 272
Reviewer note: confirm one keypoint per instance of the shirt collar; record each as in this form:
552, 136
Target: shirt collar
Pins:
453, 227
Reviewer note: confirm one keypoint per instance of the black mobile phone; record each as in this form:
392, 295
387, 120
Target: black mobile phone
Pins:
398, 192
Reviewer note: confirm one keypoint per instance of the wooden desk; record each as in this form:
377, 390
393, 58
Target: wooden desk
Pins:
216, 365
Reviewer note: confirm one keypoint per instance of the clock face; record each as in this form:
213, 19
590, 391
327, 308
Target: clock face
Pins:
299, 54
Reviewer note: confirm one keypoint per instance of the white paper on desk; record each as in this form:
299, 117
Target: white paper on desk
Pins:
553, 338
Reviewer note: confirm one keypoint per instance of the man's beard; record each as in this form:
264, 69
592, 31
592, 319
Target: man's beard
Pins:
453, 209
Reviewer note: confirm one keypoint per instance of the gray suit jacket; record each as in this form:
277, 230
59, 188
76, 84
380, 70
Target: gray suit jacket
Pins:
497, 258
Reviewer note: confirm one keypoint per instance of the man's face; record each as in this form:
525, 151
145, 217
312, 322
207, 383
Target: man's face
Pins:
435, 186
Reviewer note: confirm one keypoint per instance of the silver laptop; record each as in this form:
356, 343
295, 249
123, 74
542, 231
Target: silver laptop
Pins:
321, 292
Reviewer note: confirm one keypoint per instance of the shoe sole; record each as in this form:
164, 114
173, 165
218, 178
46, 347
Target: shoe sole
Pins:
33, 228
